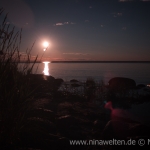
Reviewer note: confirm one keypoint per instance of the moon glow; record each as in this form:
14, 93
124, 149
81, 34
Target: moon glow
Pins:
45, 44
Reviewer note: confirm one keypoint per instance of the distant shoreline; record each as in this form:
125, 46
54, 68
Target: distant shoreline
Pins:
91, 62
100, 61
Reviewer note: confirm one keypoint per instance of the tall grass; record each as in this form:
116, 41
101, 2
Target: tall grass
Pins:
16, 95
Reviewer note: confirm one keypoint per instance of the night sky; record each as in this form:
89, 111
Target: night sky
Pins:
83, 29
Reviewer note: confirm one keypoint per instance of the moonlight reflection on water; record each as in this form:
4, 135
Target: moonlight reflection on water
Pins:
46, 68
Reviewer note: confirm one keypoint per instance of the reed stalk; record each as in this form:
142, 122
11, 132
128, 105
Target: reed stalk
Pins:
16, 95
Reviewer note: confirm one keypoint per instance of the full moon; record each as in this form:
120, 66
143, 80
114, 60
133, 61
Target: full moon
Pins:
45, 44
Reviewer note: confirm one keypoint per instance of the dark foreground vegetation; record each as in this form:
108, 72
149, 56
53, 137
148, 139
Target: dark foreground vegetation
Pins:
40, 112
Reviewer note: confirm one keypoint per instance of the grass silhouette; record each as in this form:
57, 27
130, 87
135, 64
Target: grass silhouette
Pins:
16, 95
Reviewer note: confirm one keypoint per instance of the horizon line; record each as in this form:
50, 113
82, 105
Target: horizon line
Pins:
95, 61
70, 61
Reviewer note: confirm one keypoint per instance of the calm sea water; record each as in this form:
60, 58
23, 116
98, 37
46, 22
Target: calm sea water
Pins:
140, 72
